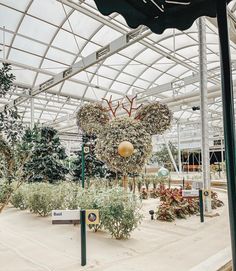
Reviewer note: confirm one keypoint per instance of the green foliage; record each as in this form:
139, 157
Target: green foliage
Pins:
11, 125
10, 121
46, 162
6, 79
162, 156
40, 199
94, 168
120, 213
173, 205
19, 198
6, 188
165, 212
215, 201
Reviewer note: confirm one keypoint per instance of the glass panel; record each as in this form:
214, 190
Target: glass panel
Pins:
24, 58
47, 10
59, 56
29, 45
78, 21
107, 32
9, 18
71, 44
95, 94
20, 5
40, 30
73, 89
24, 76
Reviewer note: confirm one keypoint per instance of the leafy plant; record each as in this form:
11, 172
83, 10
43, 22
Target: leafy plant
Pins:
40, 199
19, 198
215, 202
165, 212
6, 189
6, 79
46, 162
162, 156
12, 161
120, 213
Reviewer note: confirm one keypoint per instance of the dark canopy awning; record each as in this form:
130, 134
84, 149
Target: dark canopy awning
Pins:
159, 15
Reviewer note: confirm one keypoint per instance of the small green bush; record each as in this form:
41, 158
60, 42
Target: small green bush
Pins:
6, 188
20, 198
120, 213
40, 199
119, 210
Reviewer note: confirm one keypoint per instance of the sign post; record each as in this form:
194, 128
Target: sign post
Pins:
83, 237
195, 194
90, 217
201, 205
83, 166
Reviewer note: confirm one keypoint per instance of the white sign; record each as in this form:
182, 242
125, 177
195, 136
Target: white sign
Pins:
65, 216
190, 193
197, 185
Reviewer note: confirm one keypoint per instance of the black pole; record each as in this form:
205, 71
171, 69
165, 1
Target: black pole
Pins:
201, 208
83, 166
83, 237
228, 116
183, 183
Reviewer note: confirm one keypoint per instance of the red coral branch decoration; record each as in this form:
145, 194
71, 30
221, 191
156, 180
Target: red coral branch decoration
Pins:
110, 108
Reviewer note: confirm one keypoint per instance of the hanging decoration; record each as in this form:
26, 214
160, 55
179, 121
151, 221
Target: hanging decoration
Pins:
124, 142
159, 15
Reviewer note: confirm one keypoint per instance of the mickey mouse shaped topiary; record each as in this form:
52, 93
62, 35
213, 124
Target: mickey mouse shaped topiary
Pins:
124, 143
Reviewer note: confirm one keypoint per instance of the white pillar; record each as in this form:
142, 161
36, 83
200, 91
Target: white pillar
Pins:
204, 111
171, 156
179, 150
32, 113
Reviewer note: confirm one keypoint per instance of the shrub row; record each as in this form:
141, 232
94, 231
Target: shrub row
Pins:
119, 211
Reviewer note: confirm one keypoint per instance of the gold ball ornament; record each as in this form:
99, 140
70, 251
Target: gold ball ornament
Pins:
125, 149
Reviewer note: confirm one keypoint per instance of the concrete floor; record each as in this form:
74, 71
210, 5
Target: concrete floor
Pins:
31, 243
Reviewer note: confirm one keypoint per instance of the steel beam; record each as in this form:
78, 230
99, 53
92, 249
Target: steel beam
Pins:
103, 53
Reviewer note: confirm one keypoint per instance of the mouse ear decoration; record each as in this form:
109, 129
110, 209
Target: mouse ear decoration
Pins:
91, 118
155, 117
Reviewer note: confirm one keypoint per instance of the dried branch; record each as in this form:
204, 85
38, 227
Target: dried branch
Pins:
110, 108
131, 101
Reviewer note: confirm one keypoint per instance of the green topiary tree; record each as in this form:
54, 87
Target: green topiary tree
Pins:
46, 163
94, 168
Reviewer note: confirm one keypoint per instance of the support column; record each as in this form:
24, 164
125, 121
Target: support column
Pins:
229, 120
222, 154
179, 150
32, 113
171, 156
204, 111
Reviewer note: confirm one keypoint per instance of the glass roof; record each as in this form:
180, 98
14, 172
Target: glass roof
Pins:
42, 38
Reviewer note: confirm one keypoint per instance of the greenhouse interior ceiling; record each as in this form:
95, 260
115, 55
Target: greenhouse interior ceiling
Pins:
65, 53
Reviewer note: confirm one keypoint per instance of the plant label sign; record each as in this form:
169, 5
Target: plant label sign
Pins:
190, 193
86, 149
65, 216
92, 217
206, 193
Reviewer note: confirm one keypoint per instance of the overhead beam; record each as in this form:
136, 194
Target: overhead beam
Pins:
86, 62
116, 27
